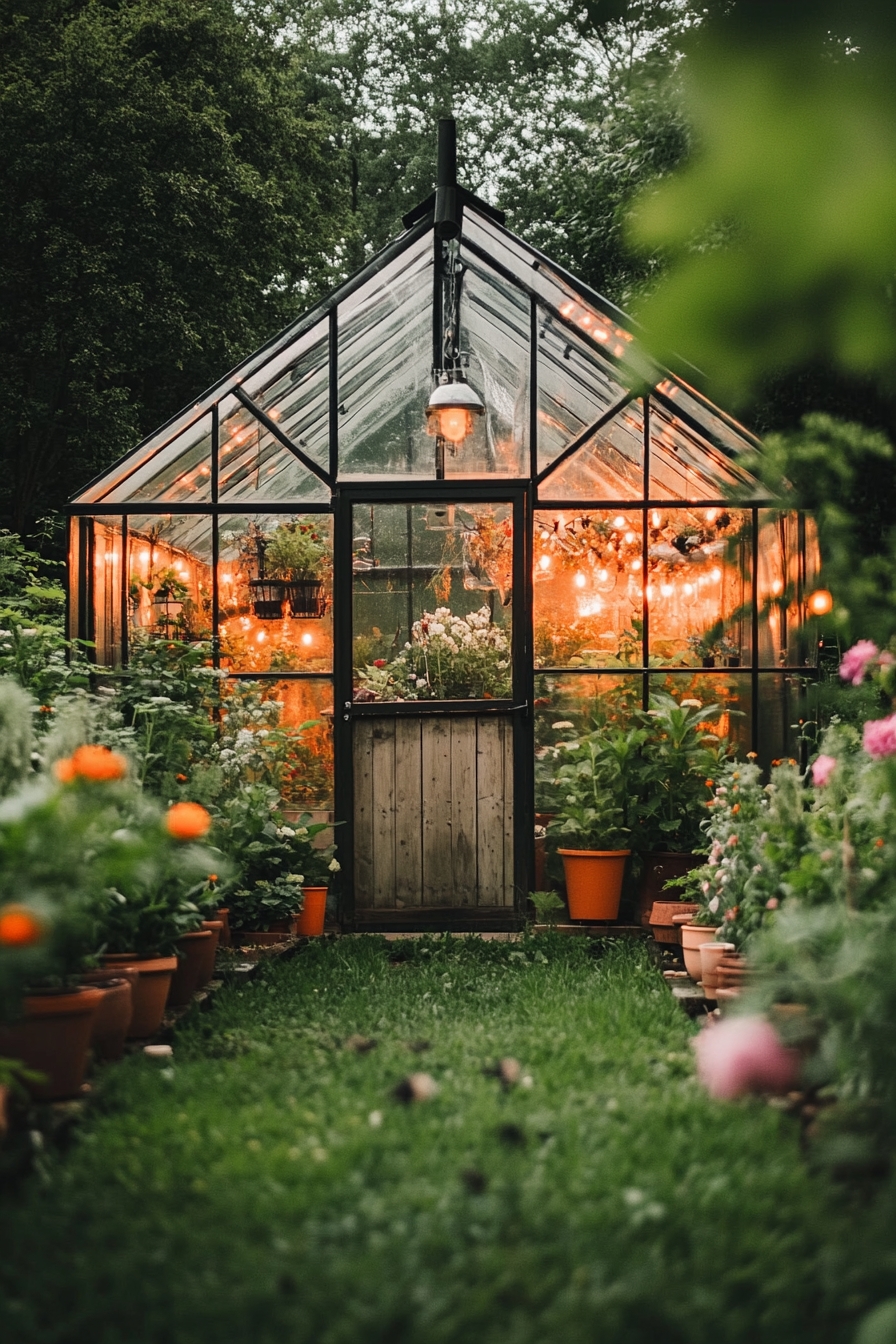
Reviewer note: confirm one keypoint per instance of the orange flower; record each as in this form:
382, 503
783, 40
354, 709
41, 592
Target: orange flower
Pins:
181, 779
709, 784
878, 844
98, 764
187, 821
19, 927
213, 877
736, 808
64, 770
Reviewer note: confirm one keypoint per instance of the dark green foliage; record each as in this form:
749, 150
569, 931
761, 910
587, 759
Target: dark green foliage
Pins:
169, 201
243, 1195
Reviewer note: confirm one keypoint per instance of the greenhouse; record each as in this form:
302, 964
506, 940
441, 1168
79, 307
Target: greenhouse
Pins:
445, 518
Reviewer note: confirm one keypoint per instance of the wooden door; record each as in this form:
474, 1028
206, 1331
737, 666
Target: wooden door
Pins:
433, 812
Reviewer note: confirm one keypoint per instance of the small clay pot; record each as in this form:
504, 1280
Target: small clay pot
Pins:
659, 868
732, 972
692, 936
113, 1014
185, 981
209, 951
661, 919
52, 1037
224, 915
149, 991
710, 955
310, 923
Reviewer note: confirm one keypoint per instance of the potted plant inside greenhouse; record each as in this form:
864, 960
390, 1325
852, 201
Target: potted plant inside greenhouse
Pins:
596, 783
291, 563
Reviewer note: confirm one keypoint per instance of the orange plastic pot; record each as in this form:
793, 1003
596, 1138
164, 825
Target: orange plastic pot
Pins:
150, 991
185, 981
310, 923
594, 882
52, 1038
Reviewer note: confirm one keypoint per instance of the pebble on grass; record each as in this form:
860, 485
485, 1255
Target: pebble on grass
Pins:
475, 1181
416, 1087
360, 1044
512, 1135
507, 1070
418, 1047
158, 1051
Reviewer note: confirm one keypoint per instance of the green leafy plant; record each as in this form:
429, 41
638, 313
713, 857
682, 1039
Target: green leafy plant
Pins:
296, 550
547, 906
596, 784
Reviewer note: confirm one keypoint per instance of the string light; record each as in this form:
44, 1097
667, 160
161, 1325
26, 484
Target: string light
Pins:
820, 602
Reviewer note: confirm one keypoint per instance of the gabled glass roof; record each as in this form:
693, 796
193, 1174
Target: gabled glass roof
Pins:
341, 394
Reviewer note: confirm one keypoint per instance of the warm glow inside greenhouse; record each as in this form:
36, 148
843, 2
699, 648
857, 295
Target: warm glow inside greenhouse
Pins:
441, 523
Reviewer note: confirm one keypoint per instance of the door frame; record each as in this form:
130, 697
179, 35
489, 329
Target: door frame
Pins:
518, 494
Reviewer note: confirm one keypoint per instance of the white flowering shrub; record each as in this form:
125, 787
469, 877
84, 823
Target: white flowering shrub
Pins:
448, 657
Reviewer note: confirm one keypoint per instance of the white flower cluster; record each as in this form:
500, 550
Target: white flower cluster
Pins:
441, 628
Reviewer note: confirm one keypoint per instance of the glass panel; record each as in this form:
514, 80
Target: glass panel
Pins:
782, 588
385, 370
538, 274
177, 474
609, 465
699, 586
294, 389
588, 586
575, 388
781, 708
296, 717
495, 334
253, 464
275, 592
567, 706
733, 690
730, 435
170, 577
431, 602
107, 590
683, 465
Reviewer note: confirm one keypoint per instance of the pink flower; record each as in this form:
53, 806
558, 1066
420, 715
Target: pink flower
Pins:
879, 737
822, 769
772, 903
855, 661
744, 1054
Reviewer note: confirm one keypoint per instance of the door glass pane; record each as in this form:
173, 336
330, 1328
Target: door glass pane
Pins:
431, 601
588, 588
787, 563
107, 590
275, 589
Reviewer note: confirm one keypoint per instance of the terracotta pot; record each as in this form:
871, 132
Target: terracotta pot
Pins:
52, 1038
726, 996
185, 981
661, 919
224, 915
732, 971
658, 869
710, 956
113, 1014
149, 992
209, 952
310, 923
692, 936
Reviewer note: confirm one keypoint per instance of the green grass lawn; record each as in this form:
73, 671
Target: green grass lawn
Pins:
243, 1194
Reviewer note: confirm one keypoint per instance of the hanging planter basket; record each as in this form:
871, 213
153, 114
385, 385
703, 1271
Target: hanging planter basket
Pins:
267, 598
306, 597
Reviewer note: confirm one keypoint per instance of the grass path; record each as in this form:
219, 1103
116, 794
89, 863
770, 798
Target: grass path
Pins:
244, 1195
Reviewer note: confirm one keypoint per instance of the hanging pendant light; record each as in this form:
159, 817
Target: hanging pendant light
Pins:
450, 412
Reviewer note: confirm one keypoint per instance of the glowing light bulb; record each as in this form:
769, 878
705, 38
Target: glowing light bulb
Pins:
544, 562
635, 566
656, 517
307, 639
579, 580
454, 423
711, 515
260, 637
688, 590
649, 592
629, 537
545, 535
820, 602
715, 574
144, 557
666, 589
777, 587
227, 578
618, 521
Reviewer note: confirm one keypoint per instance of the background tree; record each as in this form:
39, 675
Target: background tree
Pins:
169, 198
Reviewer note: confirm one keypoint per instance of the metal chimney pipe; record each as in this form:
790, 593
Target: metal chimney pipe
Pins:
447, 213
